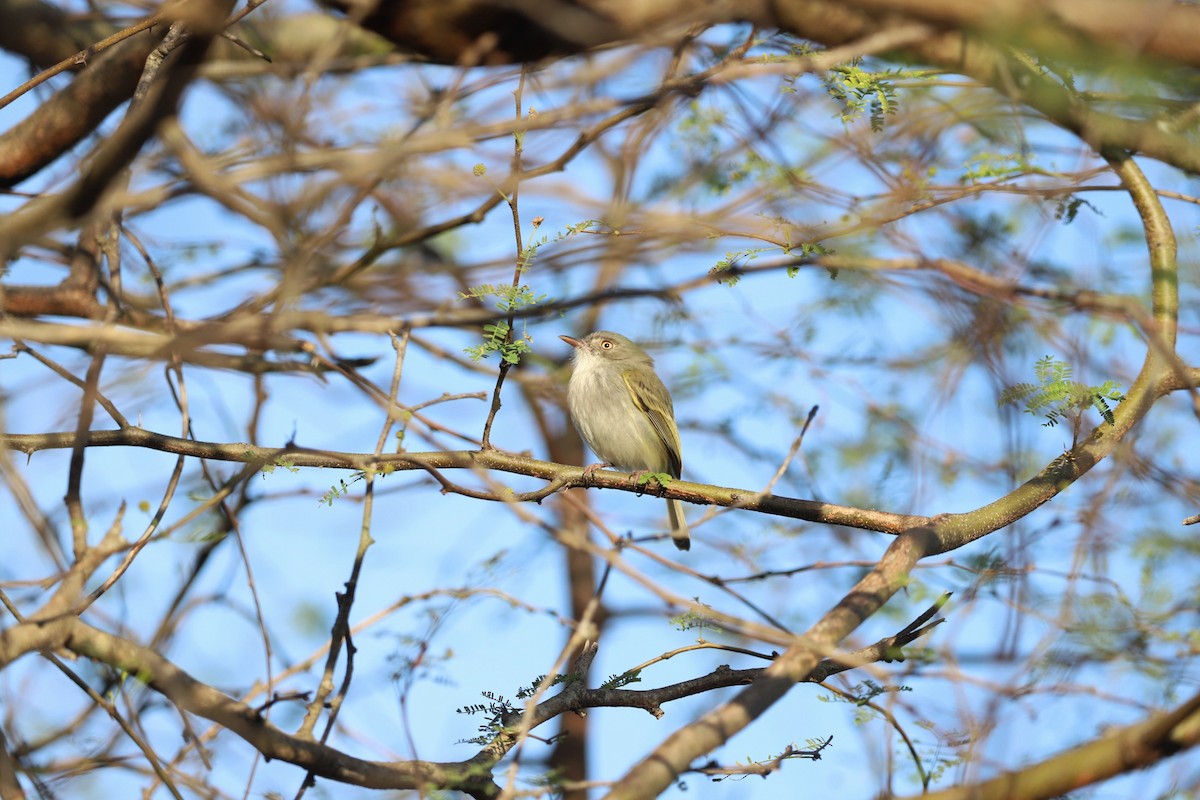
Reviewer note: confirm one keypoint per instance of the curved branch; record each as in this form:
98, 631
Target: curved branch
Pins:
576, 697
198, 698
1117, 752
836, 23
661, 767
1088, 29
471, 776
60, 123
529, 30
203, 20
44, 33
10, 787
972, 40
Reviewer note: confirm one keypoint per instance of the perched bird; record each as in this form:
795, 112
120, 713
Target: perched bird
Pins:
624, 412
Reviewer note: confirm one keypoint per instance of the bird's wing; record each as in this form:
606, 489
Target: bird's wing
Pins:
654, 400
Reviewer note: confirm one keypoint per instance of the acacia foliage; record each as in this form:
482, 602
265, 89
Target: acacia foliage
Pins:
321, 440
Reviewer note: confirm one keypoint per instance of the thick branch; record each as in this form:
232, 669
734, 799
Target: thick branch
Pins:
203, 19
1117, 752
1096, 29
836, 24
471, 776
661, 768
10, 787
198, 698
44, 33
529, 30
969, 39
61, 122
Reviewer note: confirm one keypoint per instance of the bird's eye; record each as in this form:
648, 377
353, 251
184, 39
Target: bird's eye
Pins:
607, 344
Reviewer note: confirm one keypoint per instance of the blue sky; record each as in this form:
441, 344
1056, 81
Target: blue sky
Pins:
300, 550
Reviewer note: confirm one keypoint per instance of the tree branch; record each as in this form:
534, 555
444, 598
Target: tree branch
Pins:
471, 776
1116, 752
661, 767
560, 476
198, 698
204, 19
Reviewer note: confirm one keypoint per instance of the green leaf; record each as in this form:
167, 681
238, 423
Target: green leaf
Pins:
1057, 397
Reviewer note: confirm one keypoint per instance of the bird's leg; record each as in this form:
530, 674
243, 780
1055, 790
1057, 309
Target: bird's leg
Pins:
636, 478
590, 470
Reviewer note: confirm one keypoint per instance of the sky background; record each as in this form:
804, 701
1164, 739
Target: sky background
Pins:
716, 354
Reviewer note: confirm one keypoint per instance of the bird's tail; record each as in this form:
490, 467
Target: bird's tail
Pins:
679, 527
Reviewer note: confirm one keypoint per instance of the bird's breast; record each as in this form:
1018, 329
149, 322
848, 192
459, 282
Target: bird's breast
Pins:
616, 429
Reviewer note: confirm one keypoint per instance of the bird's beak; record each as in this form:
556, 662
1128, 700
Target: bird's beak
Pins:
571, 340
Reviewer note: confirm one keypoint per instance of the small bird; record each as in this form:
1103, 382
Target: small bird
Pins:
624, 412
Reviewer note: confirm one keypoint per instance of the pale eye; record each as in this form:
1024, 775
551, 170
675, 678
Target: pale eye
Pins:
606, 344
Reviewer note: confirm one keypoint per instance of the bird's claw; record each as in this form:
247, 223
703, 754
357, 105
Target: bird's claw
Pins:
636, 478
590, 471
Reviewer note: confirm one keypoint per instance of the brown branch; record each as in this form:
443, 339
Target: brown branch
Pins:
80, 58
560, 476
145, 338
197, 698
44, 33
1086, 29
64, 300
470, 776
61, 122
134, 343
10, 787
577, 697
660, 768
974, 41
1116, 752
87, 410
764, 768
520, 263
534, 29
204, 20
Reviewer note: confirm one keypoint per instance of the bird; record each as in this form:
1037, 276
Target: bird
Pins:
624, 412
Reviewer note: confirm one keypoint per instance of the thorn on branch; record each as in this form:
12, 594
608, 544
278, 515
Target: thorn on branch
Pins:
277, 697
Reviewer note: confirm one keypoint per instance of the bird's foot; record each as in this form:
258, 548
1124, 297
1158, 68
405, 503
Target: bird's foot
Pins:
590, 470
